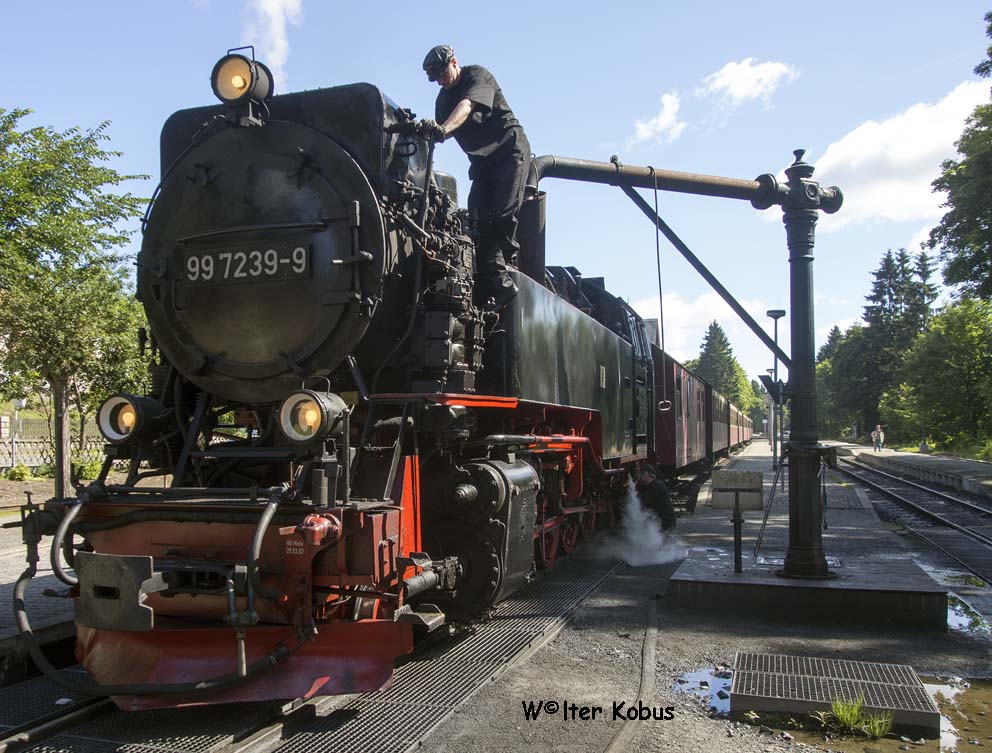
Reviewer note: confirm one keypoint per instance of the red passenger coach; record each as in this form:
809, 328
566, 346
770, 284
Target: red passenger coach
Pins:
718, 411
680, 422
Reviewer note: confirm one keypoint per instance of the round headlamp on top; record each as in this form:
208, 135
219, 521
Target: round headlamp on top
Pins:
124, 417
306, 416
237, 79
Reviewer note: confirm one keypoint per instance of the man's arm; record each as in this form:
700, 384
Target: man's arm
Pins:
458, 116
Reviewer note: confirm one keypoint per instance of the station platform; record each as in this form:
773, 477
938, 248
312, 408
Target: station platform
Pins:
875, 579
51, 618
973, 476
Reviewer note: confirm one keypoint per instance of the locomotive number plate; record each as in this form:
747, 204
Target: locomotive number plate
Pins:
283, 261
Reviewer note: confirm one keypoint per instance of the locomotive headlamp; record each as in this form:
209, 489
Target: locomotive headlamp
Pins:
237, 79
125, 417
307, 415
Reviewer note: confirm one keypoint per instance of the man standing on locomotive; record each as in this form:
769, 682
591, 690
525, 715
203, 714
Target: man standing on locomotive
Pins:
472, 108
654, 496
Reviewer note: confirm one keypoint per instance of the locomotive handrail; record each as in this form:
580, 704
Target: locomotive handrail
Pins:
255, 228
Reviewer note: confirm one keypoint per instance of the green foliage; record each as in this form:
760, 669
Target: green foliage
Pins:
67, 321
828, 348
87, 470
758, 411
964, 235
900, 411
823, 718
833, 423
47, 470
949, 369
860, 371
877, 725
844, 382
717, 365
846, 713
56, 192
18, 473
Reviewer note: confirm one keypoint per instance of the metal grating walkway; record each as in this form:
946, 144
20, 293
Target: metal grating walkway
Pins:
787, 684
32, 699
424, 691
198, 729
427, 690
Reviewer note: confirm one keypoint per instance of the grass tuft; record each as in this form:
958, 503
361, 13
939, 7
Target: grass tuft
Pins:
847, 713
877, 725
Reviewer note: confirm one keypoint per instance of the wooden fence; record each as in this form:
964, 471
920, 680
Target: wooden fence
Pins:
36, 452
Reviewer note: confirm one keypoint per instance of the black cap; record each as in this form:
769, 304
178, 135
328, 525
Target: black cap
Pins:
648, 468
437, 60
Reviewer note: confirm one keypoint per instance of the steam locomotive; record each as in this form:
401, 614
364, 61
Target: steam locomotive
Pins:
352, 449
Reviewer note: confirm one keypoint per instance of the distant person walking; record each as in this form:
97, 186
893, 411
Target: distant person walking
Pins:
878, 437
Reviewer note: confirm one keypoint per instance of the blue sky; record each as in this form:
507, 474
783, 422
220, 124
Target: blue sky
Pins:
876, 92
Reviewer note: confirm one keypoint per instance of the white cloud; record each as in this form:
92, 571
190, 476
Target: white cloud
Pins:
920, 237
686, 323
665, 126
885, 168
265, 27
739, 82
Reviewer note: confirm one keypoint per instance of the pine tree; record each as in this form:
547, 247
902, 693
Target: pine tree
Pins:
717, 365
828, 348
867, 361
716, 359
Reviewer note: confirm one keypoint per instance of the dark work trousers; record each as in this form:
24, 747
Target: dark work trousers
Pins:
496, 195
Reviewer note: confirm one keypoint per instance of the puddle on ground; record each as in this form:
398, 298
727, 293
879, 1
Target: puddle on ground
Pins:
965, 716
711, 685
961, 616
965, 619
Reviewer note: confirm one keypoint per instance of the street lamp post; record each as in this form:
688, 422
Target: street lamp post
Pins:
924, 447
775, 314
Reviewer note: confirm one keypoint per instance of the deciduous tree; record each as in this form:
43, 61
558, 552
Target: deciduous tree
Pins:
949, 369
63, 297
964, 234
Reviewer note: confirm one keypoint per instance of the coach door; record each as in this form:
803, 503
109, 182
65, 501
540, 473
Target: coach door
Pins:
643, 419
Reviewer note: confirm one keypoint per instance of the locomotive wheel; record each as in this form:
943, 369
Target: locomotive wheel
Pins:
612, 512
481, 569
548, 549
587, 525
569, 537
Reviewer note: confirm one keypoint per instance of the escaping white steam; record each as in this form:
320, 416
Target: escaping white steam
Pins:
641, 541
266, 25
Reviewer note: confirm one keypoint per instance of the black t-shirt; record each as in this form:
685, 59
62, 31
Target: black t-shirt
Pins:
654, 496
490, 129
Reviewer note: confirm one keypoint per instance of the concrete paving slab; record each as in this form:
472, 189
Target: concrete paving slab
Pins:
875, 577
51, 618
973, 476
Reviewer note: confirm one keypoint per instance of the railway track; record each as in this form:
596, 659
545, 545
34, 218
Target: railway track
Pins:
958, 527
38, 716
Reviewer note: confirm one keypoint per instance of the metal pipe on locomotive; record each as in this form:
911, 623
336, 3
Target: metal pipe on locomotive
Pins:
351, 448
